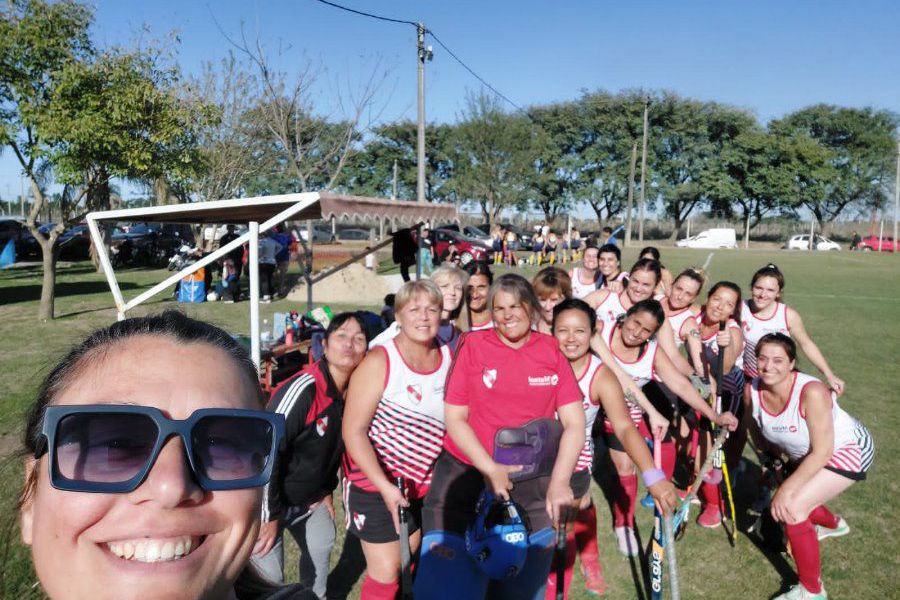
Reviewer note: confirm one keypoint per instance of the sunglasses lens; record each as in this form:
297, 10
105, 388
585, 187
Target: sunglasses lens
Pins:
104, 448
232, 448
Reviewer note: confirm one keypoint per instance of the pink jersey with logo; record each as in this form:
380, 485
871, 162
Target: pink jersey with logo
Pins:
853, 446
754, 328
407, 429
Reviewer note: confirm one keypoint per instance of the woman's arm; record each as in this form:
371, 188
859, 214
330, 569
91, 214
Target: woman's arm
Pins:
815, 401
559, 492
658, 423
666, 338
596, 298
798, 332
682, 387
694, 346
456, 419
363, 396
607, 390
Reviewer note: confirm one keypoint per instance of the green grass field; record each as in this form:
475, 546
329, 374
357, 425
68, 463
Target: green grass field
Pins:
849, 302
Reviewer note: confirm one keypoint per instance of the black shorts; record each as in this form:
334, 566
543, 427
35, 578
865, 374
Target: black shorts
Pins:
580, 483
369, 520
854, 475
455, 487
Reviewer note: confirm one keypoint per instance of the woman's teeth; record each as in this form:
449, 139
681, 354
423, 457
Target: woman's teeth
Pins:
153, 550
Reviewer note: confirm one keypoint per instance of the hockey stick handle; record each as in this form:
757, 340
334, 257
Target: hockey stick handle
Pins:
674, 582
721, 436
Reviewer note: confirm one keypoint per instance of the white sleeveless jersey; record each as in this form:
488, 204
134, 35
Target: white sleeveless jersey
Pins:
488, 325
641, 370
677, 321
755, 328
580, 290
610, 310
586, 458
853, 446
407, 430
733, 381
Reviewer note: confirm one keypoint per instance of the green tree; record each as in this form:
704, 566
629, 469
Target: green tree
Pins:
859, 148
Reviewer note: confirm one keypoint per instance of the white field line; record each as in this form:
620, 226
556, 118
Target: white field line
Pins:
708, 260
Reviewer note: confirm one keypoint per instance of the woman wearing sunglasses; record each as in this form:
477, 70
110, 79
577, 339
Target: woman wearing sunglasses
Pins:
148, 451
393, 427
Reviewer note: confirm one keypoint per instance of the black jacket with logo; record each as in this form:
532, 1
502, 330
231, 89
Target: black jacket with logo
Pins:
307, 463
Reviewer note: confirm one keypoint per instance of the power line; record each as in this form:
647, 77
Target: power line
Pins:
365, 14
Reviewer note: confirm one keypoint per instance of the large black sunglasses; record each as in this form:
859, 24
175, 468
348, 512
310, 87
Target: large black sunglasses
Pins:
110, 448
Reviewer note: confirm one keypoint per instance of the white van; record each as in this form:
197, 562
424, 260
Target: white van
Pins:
710, 238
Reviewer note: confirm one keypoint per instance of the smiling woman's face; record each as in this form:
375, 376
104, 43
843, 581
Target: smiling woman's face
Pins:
168, 536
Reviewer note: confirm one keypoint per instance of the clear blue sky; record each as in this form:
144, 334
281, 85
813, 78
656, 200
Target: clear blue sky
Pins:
771, 57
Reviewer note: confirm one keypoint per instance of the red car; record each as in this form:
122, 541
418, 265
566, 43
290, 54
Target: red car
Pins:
871, 243
469, 248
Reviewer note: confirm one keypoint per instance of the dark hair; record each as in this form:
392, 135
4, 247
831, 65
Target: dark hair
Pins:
648, 264
171, 324
694, 274
389, 299
341, 318
651, 306
610, 249
575, 304
789, 346
730, 285
770, 270
652, 251
479, 267
607, 229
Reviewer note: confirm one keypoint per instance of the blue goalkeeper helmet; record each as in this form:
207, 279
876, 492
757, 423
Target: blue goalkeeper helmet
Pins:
498, 539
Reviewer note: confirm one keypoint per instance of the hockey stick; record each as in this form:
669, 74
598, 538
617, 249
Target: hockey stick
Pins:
680, 519
720, 462
560, 558
405, 554
674, 583
730, 528
657, 551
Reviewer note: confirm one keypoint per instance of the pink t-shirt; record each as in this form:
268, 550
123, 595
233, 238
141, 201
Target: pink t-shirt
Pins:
507, 387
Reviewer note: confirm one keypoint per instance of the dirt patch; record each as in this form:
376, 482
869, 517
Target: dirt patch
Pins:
353, 285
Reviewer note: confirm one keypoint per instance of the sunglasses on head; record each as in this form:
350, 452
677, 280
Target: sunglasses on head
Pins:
110, 448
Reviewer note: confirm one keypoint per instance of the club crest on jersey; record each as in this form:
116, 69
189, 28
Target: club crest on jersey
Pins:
489, 377
415, 393
321, 425
359, 520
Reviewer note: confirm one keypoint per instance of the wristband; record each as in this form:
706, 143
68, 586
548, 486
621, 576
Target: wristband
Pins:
652, 476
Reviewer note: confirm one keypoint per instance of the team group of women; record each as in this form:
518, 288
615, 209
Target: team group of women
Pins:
485, 393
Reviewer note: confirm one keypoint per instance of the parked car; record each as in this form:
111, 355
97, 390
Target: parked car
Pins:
321, 234
13, 228
710, 238
801, 242
353, 234
872, 243
73, 244
148, 244
469, 249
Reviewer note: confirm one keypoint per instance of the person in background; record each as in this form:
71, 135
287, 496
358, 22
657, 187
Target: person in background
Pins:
575, 244
854, 241
451, 280
510, 247
450, 255
498, 235
299, 495
282, 258
551, 286
665, 280
586, 277
236, 256
551, 248
608, 238
537, 248
387, 311
403, 251
426, 252
268, 250
477, 311
609, 263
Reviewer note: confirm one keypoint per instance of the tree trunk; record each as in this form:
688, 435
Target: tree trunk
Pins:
160, 191
746, 227
99, 198
48, 282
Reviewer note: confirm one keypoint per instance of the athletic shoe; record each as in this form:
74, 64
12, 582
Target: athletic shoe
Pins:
626, 540
827, 532
593, 579
682, 494
798, 592
710, 517
266, 299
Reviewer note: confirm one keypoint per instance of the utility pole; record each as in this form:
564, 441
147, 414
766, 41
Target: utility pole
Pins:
628, 215
424, 54
896, 197
644, 170
22, 197
394, 189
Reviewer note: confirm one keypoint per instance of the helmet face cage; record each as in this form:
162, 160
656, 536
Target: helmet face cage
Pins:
498, 540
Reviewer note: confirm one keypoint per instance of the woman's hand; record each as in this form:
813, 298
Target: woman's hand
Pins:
836, 383
329, 505
726, 419
394, 499
559, 500
659, 425
615, 287
497, 478
723, 338
664, 494
268, 532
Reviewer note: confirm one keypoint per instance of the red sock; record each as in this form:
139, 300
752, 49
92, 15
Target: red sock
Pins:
710, 493
805, 548
820, 515
550, 593
624, 501
667, 453
586, 535
375, 590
